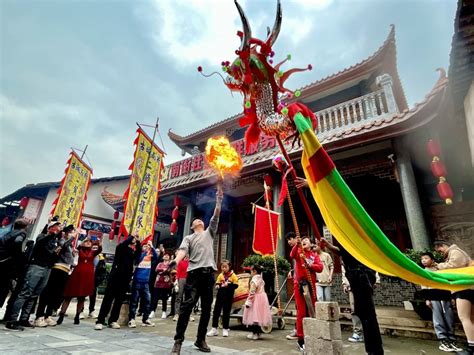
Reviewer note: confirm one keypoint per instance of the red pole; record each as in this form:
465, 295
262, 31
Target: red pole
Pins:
299, 190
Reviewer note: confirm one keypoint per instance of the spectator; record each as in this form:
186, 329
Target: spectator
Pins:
11, 260
456, 258
163, 285
443, 314
257, 310
100, 274
151, 284
81, 282
361, 280
44, 255
118, 283
52, 295
323, 288
141, 277
181, 274
226, 283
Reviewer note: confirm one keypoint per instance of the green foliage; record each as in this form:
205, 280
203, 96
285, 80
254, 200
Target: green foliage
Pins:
415, 255
266, 263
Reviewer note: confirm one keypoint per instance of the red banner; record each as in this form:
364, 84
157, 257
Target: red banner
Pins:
263, 231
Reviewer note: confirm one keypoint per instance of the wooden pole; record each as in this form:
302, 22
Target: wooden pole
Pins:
299, 190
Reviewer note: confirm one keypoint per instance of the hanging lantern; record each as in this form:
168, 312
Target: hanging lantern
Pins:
438, 170
116, 215
23, 202
175, 215
433, 148
445, 192
173, 227
111, 234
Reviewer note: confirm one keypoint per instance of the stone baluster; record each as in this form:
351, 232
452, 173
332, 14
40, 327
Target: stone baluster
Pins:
361, 110
367, 108
382, 106
341, 117
348, 112
386, 83
373, 107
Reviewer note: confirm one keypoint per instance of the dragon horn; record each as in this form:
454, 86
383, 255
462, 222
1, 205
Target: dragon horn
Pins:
276, 26
246, 27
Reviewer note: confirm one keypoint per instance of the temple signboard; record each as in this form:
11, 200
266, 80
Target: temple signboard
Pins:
198, 163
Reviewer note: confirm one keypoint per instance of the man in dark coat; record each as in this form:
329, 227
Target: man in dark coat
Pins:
118, 283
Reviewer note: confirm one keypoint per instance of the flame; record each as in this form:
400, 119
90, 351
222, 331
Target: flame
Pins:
222, 157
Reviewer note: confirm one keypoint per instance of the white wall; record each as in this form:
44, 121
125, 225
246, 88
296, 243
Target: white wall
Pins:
94, 206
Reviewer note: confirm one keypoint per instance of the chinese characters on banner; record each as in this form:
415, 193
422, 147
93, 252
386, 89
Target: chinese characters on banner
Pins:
72, 192
142, 193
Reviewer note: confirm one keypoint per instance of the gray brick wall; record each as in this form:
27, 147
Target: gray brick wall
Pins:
391, 292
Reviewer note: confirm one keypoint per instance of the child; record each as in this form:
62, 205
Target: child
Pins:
440, 303
140, 288
307, 264
163, 285
226, 284
257, 310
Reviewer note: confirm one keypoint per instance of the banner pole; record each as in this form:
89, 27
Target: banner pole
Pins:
132, 224
84, 152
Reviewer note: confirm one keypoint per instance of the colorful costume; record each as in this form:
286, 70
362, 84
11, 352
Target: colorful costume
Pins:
301, 278
257, 308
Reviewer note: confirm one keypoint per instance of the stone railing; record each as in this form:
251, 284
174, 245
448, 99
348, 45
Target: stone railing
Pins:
358, 111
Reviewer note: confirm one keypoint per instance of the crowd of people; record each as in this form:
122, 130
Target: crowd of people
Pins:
59, 267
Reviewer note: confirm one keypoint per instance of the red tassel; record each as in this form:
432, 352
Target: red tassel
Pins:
252, 135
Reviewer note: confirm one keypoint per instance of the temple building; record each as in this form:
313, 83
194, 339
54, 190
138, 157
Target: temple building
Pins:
377, 142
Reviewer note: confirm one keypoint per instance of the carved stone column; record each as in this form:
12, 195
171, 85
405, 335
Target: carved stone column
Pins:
416, 224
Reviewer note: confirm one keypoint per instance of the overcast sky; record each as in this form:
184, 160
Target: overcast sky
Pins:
83, 72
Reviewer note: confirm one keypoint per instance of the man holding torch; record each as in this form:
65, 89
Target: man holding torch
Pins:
200, 280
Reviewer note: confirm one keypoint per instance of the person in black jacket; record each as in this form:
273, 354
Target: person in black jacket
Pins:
118, 283
11, 249
44, 255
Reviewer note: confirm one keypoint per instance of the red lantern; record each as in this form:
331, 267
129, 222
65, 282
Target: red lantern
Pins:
438, 169
23, 202
433, 148
116, 215
111, 234
175, 213
445, 192
173, 227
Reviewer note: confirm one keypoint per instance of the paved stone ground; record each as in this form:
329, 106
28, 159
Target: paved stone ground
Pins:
83, 339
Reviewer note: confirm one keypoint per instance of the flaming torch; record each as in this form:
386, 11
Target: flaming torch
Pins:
223, 158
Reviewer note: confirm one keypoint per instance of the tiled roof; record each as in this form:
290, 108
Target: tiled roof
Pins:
378, 129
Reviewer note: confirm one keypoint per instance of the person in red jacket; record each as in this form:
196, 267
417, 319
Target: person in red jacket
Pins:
307, 264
